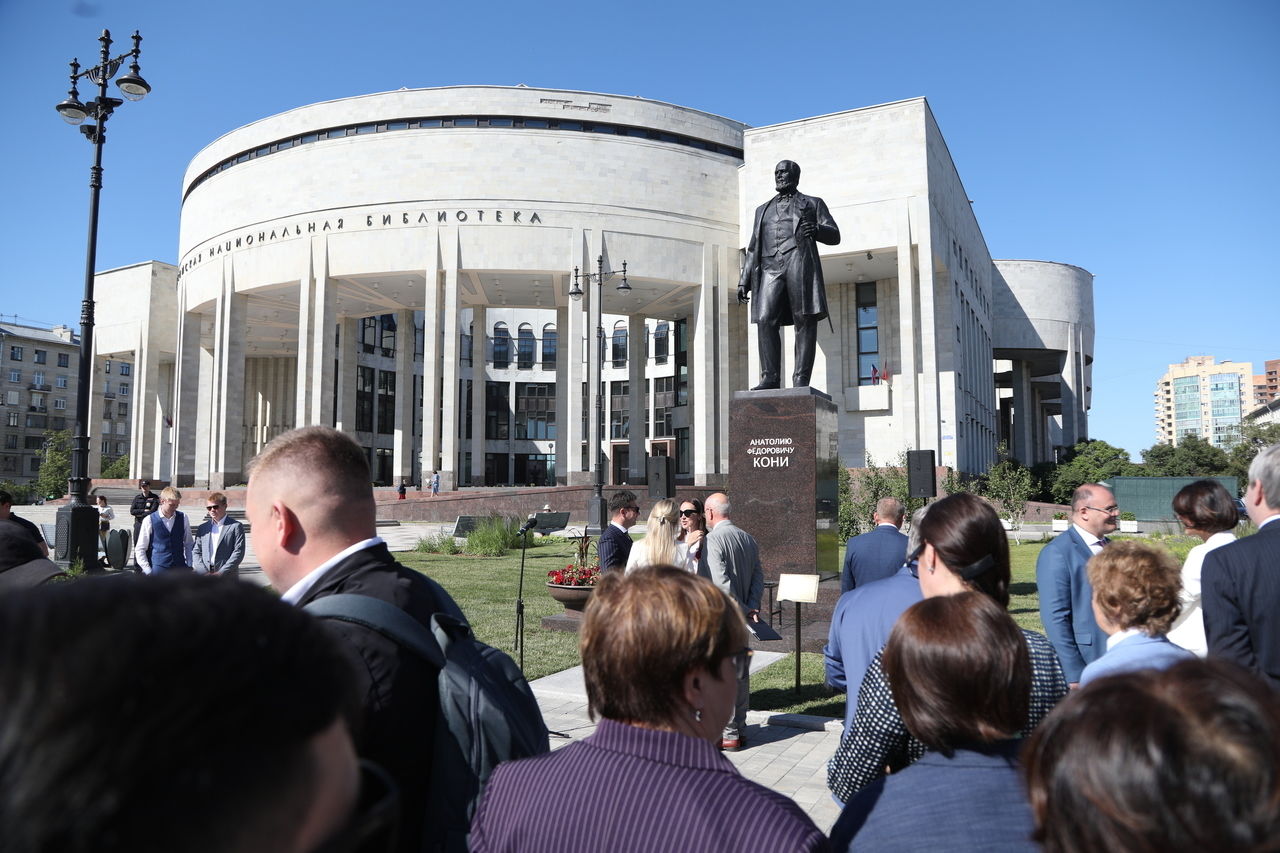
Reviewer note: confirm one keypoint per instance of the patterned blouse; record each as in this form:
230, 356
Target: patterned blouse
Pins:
879, 738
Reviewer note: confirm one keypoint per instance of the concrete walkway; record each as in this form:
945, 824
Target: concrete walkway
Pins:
785, 752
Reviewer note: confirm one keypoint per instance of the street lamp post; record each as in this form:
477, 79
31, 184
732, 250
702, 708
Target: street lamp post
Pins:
77, 535
597, 509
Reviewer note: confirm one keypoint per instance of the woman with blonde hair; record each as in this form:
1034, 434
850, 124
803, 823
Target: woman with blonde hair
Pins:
658, 547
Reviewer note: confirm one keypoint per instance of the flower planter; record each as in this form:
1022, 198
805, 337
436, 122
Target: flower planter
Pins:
1060, 525
1127, 526
574, 598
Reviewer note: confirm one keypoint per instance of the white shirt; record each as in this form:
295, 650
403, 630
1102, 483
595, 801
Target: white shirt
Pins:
142, 550
1094, 543
1120, 636
295, 593
1188, 630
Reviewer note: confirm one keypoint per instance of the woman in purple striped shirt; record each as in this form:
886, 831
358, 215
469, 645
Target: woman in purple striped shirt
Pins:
660, 651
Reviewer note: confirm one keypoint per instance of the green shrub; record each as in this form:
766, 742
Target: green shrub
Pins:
1128, 516
439, 543
493, 537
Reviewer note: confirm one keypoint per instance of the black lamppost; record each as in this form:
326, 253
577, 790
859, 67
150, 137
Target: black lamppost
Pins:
597, 508
77, 536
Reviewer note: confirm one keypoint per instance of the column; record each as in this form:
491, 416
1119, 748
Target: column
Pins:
479, 376
227, 425
1069, 383
905, 392
434, 391
569, 365
317, 316
94, 427
450, 355
185, 396
145, 447
929, 392
402, 460
636, 381
709, 386
204, 404
1022, 432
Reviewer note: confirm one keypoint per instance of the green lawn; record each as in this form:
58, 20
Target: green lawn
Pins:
485, 588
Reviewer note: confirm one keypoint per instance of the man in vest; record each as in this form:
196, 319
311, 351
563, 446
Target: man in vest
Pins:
165, 540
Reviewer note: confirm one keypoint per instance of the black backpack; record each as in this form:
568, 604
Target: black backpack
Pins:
488, 713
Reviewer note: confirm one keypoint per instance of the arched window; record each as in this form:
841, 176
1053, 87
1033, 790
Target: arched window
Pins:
620, 344
501, 345
526, 347
550, 343
661, 343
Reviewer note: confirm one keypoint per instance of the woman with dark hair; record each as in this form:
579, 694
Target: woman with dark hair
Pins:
1182, 759
1206, 510
661, 651
961, 676
1135, 600
964, 548
693, 527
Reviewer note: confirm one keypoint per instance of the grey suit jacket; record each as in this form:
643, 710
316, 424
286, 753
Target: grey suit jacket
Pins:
230, 551
732, 562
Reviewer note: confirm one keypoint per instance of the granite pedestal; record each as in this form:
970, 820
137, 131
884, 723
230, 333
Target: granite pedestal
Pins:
784, 490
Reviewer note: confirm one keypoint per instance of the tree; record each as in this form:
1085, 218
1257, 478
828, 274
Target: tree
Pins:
1091, 462
1253, 437
1009, 485
1193, 457
867, 485
116, 469
55, 468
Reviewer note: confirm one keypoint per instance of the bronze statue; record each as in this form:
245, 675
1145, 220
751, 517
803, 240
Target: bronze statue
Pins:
783, 269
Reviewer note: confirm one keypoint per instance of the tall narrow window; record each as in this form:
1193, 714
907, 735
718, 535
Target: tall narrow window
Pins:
869, 367
661, 343
497, 410
550, 343
501, 345
526, 347
620, 344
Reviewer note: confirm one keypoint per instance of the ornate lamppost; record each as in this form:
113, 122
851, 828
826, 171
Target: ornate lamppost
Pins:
597, 508
77, 536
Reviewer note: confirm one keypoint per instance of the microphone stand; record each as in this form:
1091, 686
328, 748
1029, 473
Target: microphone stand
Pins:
524, 546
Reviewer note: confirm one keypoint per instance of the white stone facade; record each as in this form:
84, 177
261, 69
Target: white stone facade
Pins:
454, 209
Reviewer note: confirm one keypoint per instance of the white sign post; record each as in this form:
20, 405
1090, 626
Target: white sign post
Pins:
798, 588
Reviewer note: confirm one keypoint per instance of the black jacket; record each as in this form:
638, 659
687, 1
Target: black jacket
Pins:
143, 505
398, 689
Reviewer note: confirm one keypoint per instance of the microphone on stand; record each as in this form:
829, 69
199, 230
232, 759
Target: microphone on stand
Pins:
530, 524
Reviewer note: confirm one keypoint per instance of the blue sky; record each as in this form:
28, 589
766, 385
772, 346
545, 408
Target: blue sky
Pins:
1135, 139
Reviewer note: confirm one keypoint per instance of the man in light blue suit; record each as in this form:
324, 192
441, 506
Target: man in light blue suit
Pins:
862, 621
1066, 598
878, 553
219, 546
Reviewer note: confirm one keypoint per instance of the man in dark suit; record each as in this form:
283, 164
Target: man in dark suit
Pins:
878, 553
313, 517
144, 503
1066, 597
219, 544
783, 269
1240, 584
614, 546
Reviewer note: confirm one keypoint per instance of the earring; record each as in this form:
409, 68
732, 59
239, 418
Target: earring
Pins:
697, 715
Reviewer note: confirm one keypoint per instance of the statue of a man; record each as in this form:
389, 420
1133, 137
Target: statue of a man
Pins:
783, 269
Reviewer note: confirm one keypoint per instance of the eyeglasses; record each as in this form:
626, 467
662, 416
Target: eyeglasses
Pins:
742, 661
212, 507
1111, 510
372, 826
689, 513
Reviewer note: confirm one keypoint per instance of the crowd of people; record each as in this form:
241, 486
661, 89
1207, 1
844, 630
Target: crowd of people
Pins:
177, 713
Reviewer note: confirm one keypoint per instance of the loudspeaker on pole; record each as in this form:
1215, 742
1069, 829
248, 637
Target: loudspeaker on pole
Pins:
922, 480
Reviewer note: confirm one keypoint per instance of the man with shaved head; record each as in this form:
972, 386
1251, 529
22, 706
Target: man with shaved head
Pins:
312, 515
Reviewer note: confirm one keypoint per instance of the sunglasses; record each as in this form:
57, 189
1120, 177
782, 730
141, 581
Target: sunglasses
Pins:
212, 507
689, 513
